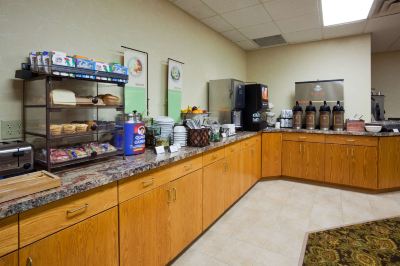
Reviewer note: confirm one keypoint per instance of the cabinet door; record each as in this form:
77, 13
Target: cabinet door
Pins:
255, 164
389, 162
292, 159
337, 162
364, 167
232, 178
271, 154
10, 259
185, 211
93, 241
313, 161
213, 191
143, 225
246, 170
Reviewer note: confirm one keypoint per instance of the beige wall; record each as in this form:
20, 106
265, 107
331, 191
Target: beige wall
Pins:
98, 28
347, 58
386, 78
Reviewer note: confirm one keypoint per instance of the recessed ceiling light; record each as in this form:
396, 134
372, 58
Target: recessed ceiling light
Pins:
343, 11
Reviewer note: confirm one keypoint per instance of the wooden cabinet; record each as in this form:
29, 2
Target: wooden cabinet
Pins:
91, 242
233, 177
337, 164
45, 220
313, 161
214, 194
185, 210
351, 165
303, 160
8, 234
271, 154
10, 259
292, 159
389, 162
144, 229
363, 167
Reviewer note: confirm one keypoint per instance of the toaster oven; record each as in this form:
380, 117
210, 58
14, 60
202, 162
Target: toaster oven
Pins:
16, 157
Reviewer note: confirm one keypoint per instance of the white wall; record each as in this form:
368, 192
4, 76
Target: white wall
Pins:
386, 78
97, 29
346, 58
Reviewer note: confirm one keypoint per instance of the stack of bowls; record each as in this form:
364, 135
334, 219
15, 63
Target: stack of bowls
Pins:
180, 135
166, 125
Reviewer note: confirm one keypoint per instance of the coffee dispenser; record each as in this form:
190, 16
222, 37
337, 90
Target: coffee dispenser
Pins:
297, 116
338, 117
325, 116
254, 116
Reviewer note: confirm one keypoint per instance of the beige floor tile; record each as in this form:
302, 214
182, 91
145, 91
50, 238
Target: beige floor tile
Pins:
267, 226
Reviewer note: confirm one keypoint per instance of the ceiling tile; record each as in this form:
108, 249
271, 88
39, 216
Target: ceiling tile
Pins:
247, 16
285, 9
234, 35
247, 45
303, 36
196, 8
222, 6
305, 22
217, 23
259, 31
344, 29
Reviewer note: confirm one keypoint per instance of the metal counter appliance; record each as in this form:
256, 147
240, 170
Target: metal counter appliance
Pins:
254, 114
16, 157
226, 101
319, 91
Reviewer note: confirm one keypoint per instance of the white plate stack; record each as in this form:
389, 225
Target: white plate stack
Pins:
180, 135
166, 124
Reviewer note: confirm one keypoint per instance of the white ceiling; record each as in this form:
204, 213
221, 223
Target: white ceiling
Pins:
297, 21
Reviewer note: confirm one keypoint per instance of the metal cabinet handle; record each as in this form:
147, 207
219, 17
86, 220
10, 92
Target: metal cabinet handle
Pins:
302, 137
350, 140
300, 148
29, 261
214, 157
148, 183
84, 207
187, 168
352, 152
347, 151
169, 195
174, 189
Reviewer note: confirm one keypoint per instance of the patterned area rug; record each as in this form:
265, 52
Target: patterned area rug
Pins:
372, 243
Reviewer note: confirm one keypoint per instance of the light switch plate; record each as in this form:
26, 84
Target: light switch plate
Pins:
11, 129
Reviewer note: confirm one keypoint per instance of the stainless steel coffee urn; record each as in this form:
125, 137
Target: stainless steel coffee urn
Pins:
297, 116
311, 113
338, 117
324, 117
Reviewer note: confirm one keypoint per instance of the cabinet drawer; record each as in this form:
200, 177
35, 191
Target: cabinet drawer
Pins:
8, 234
249, 142
137, 185
304, 137
352, 140
43, 221
186, 167
213, 156
233, 149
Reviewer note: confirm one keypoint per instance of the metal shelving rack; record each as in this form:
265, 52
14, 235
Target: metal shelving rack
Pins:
96, 77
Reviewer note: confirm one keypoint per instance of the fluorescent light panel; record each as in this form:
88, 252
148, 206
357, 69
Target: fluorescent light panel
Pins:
343, 11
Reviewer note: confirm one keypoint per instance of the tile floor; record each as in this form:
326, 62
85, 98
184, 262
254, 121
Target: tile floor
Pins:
267, 226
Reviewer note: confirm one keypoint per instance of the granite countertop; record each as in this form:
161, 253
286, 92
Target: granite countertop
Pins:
331, 132
83, 178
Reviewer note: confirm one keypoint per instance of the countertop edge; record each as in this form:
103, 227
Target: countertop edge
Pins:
102, 178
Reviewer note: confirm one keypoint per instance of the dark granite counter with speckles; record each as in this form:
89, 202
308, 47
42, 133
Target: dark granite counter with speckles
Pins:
83, 178
331, 132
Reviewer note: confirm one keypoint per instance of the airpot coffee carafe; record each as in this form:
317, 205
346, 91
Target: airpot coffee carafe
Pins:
311, 113
324, 117
338, 117
297, 116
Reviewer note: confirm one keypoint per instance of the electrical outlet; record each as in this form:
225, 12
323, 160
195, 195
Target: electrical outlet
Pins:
11, 129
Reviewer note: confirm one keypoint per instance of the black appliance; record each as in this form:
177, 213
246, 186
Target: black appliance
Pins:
256, 98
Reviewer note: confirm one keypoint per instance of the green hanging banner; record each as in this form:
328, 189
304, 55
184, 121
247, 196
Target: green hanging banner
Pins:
136, 90
175, 86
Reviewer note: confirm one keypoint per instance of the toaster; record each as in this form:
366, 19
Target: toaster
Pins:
16, 157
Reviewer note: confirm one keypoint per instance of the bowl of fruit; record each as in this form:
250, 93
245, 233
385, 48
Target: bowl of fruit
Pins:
195, 113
